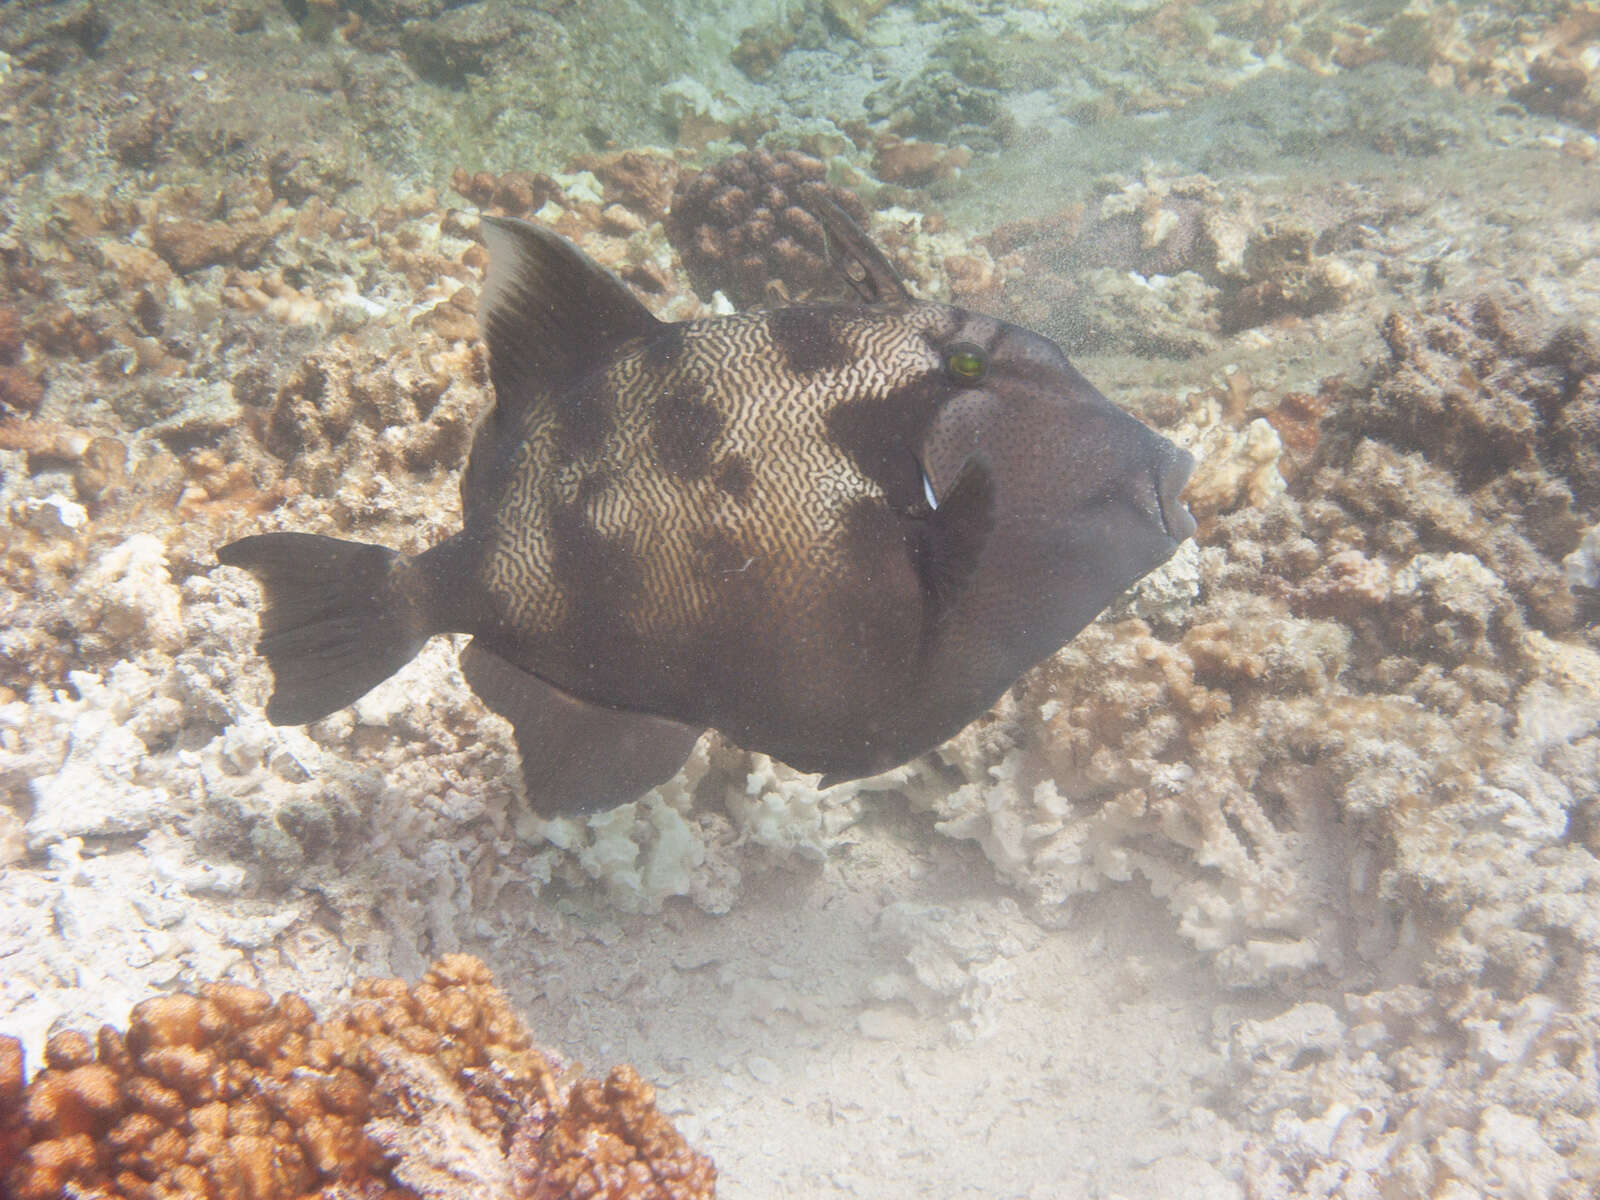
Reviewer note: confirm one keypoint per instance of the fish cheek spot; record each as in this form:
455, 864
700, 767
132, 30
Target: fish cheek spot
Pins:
806, 340
735, 478
878, 436
682, 428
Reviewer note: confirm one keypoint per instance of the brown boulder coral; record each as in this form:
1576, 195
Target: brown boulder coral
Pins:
430, 1091
747, 225
20, 392
636, 179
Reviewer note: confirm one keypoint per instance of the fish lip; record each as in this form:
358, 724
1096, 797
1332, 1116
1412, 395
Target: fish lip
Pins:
1172, 473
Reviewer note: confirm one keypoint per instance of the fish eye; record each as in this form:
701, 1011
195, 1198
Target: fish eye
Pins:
966, 362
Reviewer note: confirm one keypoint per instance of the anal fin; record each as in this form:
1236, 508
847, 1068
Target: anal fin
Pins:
577, 757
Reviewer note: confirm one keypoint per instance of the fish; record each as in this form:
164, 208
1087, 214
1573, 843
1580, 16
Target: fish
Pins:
835, 532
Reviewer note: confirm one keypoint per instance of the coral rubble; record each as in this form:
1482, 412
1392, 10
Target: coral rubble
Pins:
432, 1091
1473, 440
1167, 265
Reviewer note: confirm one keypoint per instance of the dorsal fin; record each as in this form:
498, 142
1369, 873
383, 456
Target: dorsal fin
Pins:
857, 257
549, 312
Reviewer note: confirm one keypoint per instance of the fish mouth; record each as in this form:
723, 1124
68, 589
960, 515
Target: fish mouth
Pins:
1172, 472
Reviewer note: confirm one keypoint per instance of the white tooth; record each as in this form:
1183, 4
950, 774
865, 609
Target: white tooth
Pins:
927, 490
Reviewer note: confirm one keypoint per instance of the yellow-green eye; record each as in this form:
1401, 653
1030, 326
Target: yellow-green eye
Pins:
966, 364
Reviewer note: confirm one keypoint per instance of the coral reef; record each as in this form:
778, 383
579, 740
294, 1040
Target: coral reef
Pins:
10, 335
1279, 882
1474, 439
745, 226
428, 1091
1168, 266
613, 203
937, 104
1365, 703
917, 164
1563, 85
610, 1143
515, 193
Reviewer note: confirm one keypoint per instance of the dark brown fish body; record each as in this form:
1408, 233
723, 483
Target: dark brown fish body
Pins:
834, 533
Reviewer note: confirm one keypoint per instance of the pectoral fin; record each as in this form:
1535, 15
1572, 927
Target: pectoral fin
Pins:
951, 537
577, 757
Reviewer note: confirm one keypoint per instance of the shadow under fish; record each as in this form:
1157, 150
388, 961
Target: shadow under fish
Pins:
834, 532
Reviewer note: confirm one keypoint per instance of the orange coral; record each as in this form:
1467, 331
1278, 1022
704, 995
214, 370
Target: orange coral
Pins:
229, 1094
517, 193
637, 179
612, 1144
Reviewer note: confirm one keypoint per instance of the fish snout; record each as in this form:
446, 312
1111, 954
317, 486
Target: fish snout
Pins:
1174, 465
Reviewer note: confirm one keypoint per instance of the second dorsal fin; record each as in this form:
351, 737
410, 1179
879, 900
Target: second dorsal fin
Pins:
549, 312
857, 257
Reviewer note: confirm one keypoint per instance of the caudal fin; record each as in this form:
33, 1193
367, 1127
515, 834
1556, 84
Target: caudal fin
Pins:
334, 623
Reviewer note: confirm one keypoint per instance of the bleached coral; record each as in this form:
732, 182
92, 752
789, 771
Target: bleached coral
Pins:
641, 853
1236, 466
99, 757
53, 514
1582, 566
1465, 746
682, 838
1170, 315
126, 597
781, 809
1125, 747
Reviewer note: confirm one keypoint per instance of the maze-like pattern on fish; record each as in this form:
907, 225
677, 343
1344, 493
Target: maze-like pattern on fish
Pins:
682, 531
